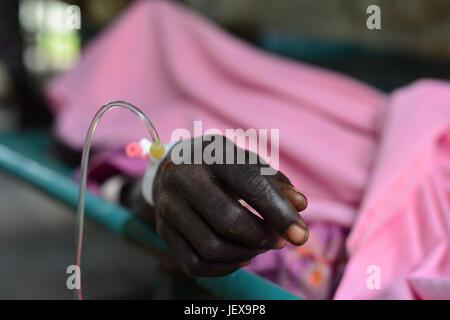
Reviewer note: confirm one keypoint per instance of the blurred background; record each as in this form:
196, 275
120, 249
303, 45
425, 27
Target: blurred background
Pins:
35, 45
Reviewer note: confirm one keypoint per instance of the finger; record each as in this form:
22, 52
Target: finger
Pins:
201, 236
190, 262
295, 197
266, 198
226, 215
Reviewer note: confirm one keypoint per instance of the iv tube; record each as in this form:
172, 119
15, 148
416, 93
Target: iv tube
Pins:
84, 165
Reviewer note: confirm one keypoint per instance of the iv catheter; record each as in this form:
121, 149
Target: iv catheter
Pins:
157, 150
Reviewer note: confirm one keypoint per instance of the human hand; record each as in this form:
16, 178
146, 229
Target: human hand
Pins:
209, 232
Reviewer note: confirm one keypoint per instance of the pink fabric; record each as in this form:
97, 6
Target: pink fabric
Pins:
403, 223
377, 164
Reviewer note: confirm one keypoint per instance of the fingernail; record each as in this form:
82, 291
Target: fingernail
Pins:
302, 223
244, 264
298, 199
298, 192
280, 244
296, 234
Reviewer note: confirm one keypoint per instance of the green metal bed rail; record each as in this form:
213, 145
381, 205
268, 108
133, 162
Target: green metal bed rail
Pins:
26, 156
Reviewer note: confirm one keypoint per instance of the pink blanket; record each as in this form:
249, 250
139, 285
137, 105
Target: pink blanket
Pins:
377, 164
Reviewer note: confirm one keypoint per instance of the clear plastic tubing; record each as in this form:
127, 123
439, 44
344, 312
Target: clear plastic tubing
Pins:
84, 165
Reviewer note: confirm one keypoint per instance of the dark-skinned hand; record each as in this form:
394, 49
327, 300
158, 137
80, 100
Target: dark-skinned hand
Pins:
209, 232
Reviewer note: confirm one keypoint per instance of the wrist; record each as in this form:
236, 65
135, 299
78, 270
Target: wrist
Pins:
152, 174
